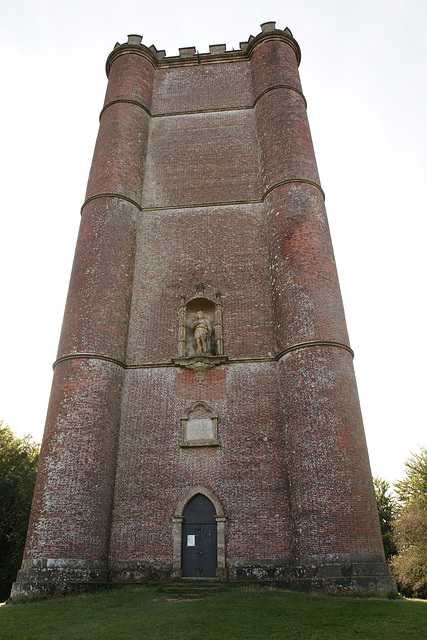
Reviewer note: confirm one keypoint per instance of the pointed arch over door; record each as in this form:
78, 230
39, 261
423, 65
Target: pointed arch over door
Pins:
205, 505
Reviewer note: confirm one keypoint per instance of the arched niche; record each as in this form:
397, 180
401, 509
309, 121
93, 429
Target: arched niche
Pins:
200, 334
200, 310
200, 315
178, 520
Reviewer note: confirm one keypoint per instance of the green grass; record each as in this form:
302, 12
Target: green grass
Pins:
234, 613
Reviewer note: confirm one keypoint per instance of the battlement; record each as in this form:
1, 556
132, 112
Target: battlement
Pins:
217, 52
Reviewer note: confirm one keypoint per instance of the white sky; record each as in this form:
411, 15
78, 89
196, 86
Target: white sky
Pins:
363, 70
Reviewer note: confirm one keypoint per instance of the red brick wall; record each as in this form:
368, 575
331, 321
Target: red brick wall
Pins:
202, 158
72, 502
202, 87
130, 77
306, 293
246, 472
333, 507
97, 313
223, 247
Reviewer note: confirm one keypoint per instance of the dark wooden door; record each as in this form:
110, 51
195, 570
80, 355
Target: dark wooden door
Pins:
199, 539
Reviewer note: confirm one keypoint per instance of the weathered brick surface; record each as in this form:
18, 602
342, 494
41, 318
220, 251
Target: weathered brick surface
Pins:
131, 77
202, 158
333, 505
284, 136
246, 471
97, 312
178, 249
273, 63
306, 293
214, 86
118, 161
72, 501
118, 165
228, 197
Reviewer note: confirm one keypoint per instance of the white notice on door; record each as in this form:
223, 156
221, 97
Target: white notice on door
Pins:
191, 540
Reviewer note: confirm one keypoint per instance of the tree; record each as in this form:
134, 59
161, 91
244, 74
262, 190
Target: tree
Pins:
18, 469
414, 485
409, 566
386, 511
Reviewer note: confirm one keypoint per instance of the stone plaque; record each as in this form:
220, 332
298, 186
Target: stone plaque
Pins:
200, 429
199, 426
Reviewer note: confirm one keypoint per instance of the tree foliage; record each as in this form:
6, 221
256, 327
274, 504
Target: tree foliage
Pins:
18, 469
414, 485
386, 511
409, 566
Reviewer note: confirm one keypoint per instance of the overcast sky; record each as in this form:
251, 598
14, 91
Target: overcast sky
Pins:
363, 71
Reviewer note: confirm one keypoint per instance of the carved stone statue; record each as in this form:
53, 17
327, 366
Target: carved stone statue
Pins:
202, 334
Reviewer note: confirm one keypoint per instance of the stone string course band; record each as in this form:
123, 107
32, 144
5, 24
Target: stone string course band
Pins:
123, 365
184, 113
203, 204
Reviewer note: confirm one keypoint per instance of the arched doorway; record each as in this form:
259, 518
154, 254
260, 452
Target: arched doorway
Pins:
211, 514
199, 539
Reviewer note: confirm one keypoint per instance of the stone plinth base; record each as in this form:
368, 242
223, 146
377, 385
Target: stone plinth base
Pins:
335, 574
52, 576
339, 574
128, 573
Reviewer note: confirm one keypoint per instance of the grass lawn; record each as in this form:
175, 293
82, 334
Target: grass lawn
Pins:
234, 613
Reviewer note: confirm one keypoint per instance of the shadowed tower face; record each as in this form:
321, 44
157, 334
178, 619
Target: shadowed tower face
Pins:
204, 417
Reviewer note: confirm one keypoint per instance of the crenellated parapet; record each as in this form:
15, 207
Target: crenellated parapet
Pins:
217, 52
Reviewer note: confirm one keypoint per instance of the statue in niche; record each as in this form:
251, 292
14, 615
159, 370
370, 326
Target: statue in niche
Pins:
202, 334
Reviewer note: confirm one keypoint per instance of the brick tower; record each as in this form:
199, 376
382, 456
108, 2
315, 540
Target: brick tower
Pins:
204, 418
